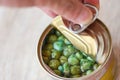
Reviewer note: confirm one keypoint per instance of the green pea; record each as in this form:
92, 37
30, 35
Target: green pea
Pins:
66, 41
60, 68
95, 66
46, 53
91, 58
88, 72
72, 60
46, 59
55, 54
84, 54
48, 46
58, 33
58, 45
54, 64
63, 59
61, 38
52, 38
75, 76
85, 64
58, 72
66, 68
83, 73
79, 55
75, 70
68, 50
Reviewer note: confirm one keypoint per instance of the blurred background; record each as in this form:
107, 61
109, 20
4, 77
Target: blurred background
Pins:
20, 30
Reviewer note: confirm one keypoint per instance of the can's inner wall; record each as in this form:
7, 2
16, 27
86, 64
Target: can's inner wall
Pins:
102, 37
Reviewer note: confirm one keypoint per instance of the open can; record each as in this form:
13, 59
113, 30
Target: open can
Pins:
99, 32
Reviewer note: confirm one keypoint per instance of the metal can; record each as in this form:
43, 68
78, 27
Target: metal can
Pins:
99, 32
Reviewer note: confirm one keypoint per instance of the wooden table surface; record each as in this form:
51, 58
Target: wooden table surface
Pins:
20, 30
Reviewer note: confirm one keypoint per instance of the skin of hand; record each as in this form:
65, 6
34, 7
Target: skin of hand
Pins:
72, 10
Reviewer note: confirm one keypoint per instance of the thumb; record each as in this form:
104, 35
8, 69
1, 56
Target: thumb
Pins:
72, 10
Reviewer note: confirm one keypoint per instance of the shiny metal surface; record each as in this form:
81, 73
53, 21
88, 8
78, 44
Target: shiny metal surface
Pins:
82, 27
96, 36
75, 39
93, 40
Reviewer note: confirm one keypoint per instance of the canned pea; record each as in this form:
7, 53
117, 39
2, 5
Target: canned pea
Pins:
65, 60
62, 61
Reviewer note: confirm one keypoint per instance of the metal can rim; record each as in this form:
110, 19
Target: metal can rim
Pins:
84, 77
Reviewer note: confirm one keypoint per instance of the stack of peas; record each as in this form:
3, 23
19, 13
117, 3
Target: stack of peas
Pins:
64, 59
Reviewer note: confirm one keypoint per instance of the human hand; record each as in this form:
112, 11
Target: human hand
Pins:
72, 10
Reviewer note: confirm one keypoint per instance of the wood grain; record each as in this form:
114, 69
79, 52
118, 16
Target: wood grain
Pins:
20, 30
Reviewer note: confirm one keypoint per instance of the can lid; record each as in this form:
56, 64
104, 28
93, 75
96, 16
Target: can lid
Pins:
78, 28
75, 39
94, 40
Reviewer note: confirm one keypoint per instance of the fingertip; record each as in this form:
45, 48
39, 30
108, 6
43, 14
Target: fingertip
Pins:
84, 17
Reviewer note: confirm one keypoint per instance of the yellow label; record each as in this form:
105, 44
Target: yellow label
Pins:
109, 74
